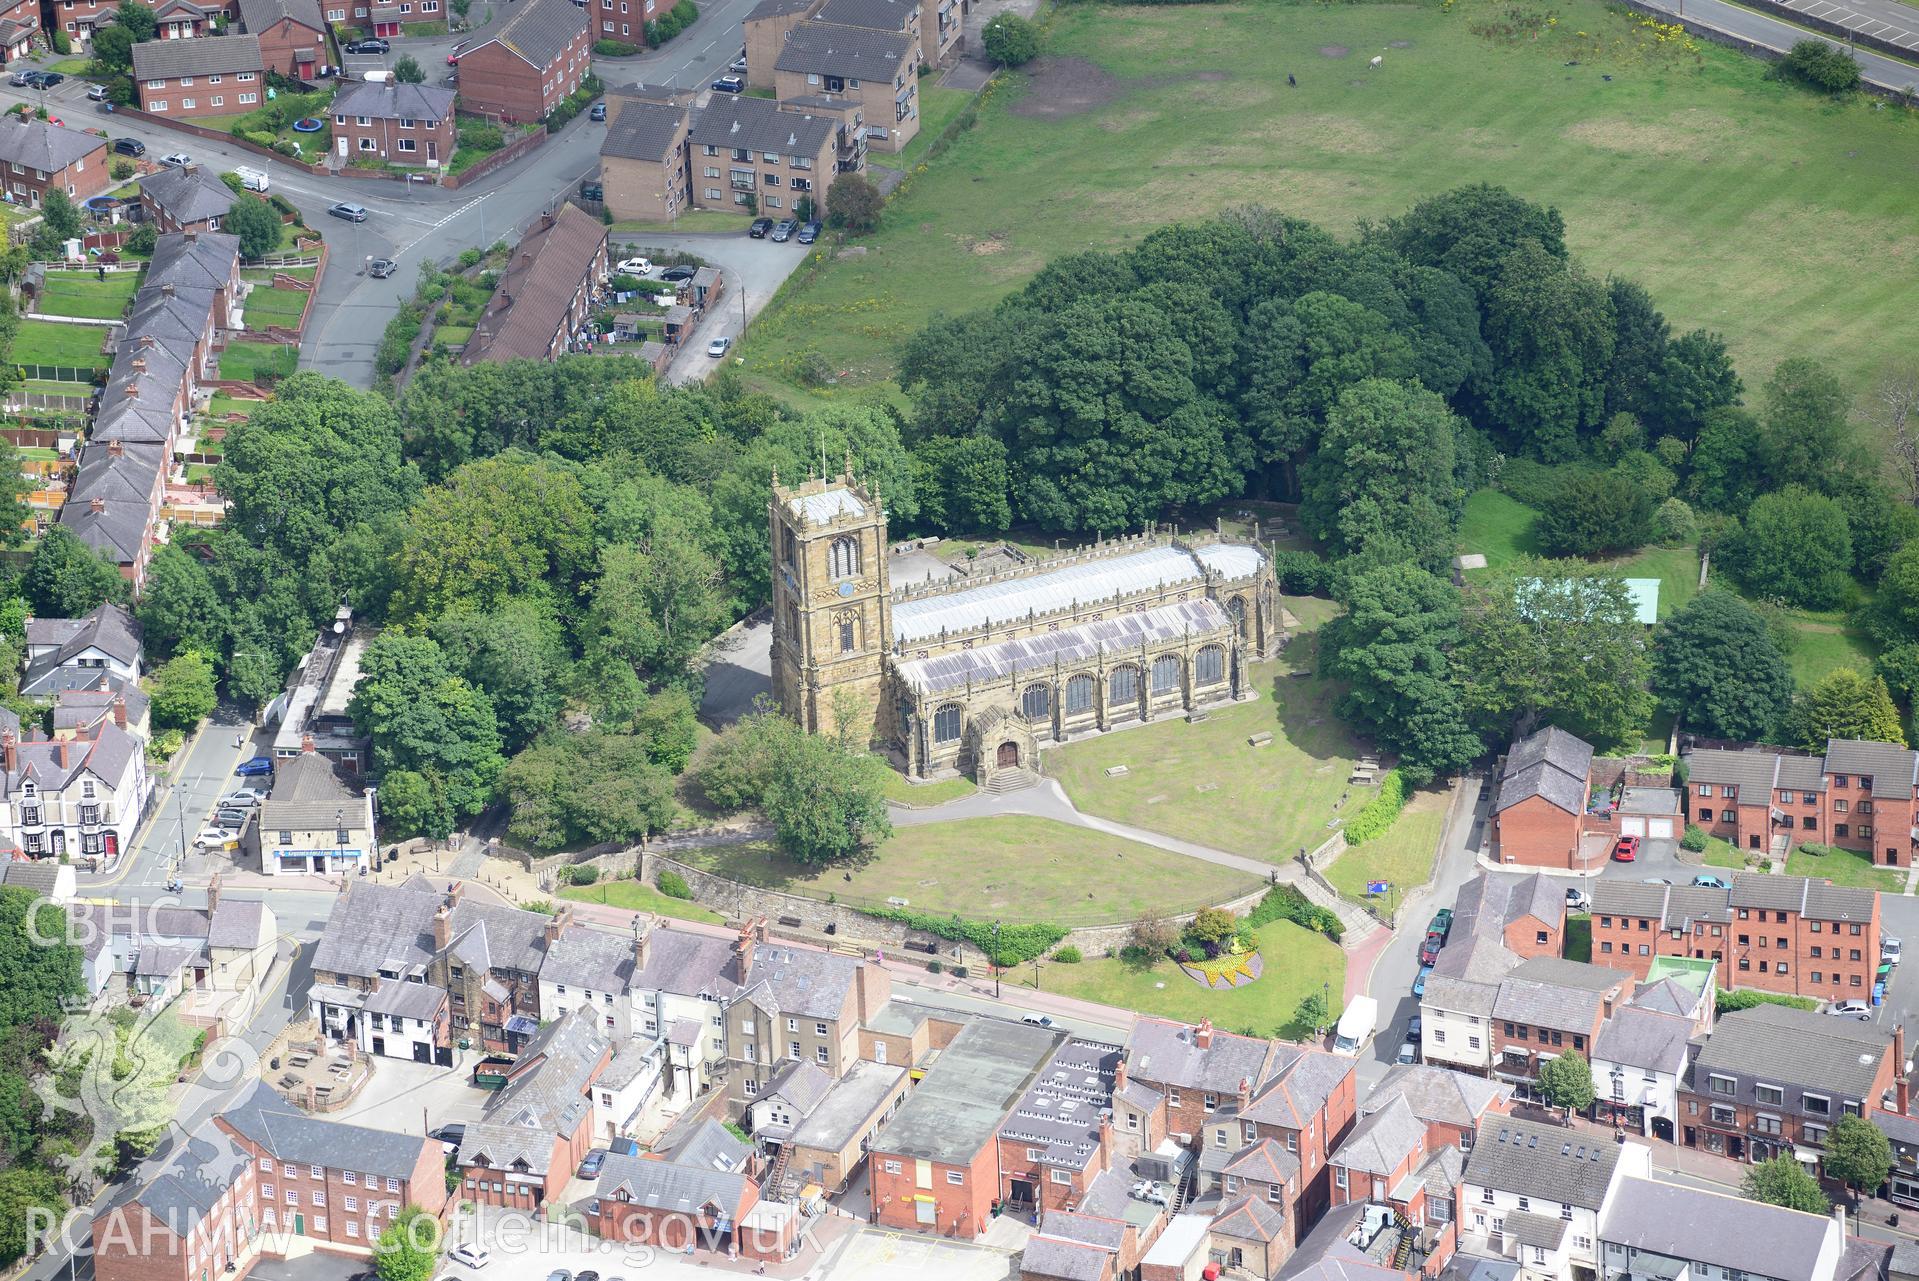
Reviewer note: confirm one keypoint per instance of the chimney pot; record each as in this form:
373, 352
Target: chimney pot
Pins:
96, 505
1203, 1034
115, 449
120, 711
442, 928
306, 745
10, 750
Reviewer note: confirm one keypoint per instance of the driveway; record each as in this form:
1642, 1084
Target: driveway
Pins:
739, 668
754, 270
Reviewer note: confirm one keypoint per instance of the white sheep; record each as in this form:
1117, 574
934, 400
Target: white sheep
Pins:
1377, 59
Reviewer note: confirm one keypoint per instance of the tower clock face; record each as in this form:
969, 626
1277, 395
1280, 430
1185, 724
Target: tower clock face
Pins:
846, 589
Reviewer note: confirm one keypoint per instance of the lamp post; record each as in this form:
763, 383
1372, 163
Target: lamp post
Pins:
996, 960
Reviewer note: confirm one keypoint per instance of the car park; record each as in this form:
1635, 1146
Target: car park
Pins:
1625, 849
473, 1256
634, 266
1707, 881
676, 274
718, 346
598, 112
130, 147
257, 765
590, 1166
348, 210
381, 268
809, 232
1852, 1010
759, 228
729, 84
783, 231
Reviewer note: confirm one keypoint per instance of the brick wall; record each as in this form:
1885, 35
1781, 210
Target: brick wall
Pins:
1537, 833
961, 1209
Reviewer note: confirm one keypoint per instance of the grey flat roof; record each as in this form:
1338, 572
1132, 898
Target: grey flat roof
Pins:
852, 1100
957, 1108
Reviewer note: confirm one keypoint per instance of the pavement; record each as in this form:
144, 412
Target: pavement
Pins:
1778, 35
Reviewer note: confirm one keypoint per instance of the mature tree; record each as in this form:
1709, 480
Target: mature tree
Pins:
112, 51
408, 71
1010, 40
39, 968
655, 604
1844, 704
1640, 339
854, 203
1567, 1081
1392, 650
1783, 1181
256, 223
421, 717
16, 517
1858, 1154
738, 768
962, 484
1594, 512
26, 1194
1795, 546
1472, 231
1548, 644
137, 18
669, 724
507, 526
1381, 482
409, 1249
516, 655
1312, 1013
827, 802
1895, 413
1879, 521
1898, 666
66, 578
1298, 355
1895, 608
183, 691
1806, 432
579, 789
1716, 668
1212, 929
1694, 377
1728, 463
411, 804
180, 609
1550, 328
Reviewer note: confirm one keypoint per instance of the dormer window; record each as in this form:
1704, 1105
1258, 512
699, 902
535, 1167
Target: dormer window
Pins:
29, 791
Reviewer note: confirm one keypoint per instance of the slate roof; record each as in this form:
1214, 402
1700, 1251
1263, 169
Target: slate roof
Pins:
828, 49
192, 194
500, 1146
112, 496
196, 1175
800, 1082
258, 15
688, 964
1894, 770
39, 877
1796, 1050
777, 9
1511, 1155
110, 628
644, 131
1299, 1081
529, 307
1121, 635
598, 960
1250, 1219
263, 1117
957, 1107
374, 927
1715, 1228
1642, 1038
1049, 1257
392, 100
539, 31
1438, 1096
1060, 1111
1164, 1052
402, 999
1547, 991
46, 147
759, 125
670, 1185
1266, 1161
1491, 901
1550, 763
880, 15
52, 764
803, 982
1538, 1230
236, 923
214, 55
1383, 1140
709, 1145
547, 1088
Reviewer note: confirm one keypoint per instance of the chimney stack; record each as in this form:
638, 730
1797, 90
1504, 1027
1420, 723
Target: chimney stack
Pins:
213, 892
1203, 1034
10, 751
442, 928
115, 449
120, 711
1901, 1082
1119, 1076
306, 745
642, 946
96, 505
743, 952
1245, 1093
556, 926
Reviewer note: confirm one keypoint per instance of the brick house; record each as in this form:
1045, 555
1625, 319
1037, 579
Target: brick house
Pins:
1055, 1142
184, 20
1525, 913
1772, 1081
182, 79
796, 1003
539, 1126
81, 18
935, 1166
1788, 934
392, 17
546, 292
1540, 804
400, 123
753, 153
1547, 1007
292, 35
19, 25
826, 65
625, 20
643, 158
1857, 795
698, 1194
529, 64
186, 199
199, 1213
37, 157
934, 29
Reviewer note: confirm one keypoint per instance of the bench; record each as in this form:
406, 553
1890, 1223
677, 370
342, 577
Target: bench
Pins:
923, 945
791, 922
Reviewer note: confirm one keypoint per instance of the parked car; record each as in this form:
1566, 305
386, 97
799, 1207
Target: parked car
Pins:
1707, 881
1578, 900
1416, 1029
1852, 1009
45, 79
250, 178
257, 793
213, 838
718, 346
1037, 1020
729, 84
348, 210
809, 232
178, 159
588, 1275
474, 1256
1429, 950
1408, 1053
559, 1274
759, 228
1625, 849
130, 147
381, 268
634, 266
451, 1132
590, 1166
1442, 923
96, 93
677, 274
1419, 983
598, 112
21, 77
239, 800
784, 229
230, 817
1889, 949
371, 45
254, 766
739, 63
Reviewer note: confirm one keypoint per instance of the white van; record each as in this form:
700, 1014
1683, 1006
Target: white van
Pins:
1356, 1026
250, 178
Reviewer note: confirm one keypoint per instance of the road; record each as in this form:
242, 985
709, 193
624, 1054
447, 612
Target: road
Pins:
1779, 35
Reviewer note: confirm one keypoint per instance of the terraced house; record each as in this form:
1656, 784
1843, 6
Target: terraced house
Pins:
181, 79
37, 157
1858, 795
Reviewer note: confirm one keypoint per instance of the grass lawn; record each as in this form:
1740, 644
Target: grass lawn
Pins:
640, 897
267, 306
1297, 962
1720, 853
1013, 868
250, 361
1823, 642
222, 405
1402, 857
1578, 945
453, 335
83, 294
42, 342
70, 66
312, 145
1497, 526
197, 472
1845, 867
265, 275
1205, 784
937, 108
922, 795
1676, 568
1739, 201
696, 220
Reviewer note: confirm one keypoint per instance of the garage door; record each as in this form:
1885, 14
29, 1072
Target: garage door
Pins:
1630, 826
1659, 827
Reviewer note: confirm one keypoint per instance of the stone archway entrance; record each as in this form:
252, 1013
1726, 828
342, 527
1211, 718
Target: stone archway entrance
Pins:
1008, 756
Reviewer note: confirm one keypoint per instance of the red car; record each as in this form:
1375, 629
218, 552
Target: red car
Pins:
1429, 950
1626, 850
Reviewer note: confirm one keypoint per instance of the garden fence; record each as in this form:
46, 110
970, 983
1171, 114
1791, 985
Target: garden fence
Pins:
61, 373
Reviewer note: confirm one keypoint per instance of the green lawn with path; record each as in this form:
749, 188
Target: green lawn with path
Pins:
1739, 201
924, 795
84, 294
1846, 867
1013, 868
1297, 962
46, 342
272, 306
638, 896
1402, 856
1204, 783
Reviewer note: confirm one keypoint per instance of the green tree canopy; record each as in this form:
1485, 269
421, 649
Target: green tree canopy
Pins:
408, 70
423, 718
1473, 231
1783, 1181
409, 1249
570, 790
180, 608
656, 603
827, 802
257, 225
1794, 546
38, 967
183, 691
1010, 40
1858, 1154
1381, 482
1844, 704
1594, 512
23, 1191
517, 656
66, 578
1567, 1081
1550, 328
1715, 666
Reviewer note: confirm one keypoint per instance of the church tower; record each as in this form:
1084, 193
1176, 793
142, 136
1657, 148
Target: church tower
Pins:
832, 614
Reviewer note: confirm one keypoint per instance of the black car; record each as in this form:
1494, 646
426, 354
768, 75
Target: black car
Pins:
375, 45
674, 275
381, 268
451, 1132
784, 231
729, 84
592, 191
759, 228
130, 146
598, 112
808, 233
48, 79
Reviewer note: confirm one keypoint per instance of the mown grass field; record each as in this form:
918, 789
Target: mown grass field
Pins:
1780, 218
85, 295
45, 342
1402, 857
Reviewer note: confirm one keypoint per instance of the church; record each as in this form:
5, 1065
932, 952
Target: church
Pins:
971, 674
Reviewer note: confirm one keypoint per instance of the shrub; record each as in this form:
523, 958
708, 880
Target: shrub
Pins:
1674, 523
142, 239
62, 44
121, 170
470, 257
1010, 40
1378, 814
1287, 903
482, 137
934, 967
1746, 998
1068, 955
396, 344
614, 48
1820, 66
583, 874
1694, 838
673, 885
1303, 573
1016, 942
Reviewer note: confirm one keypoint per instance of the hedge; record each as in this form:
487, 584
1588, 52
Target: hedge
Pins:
1378, 814
1017, 943
1287, 903
677, 19
1746, 998
673, 885
1694, 838
1303, 573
